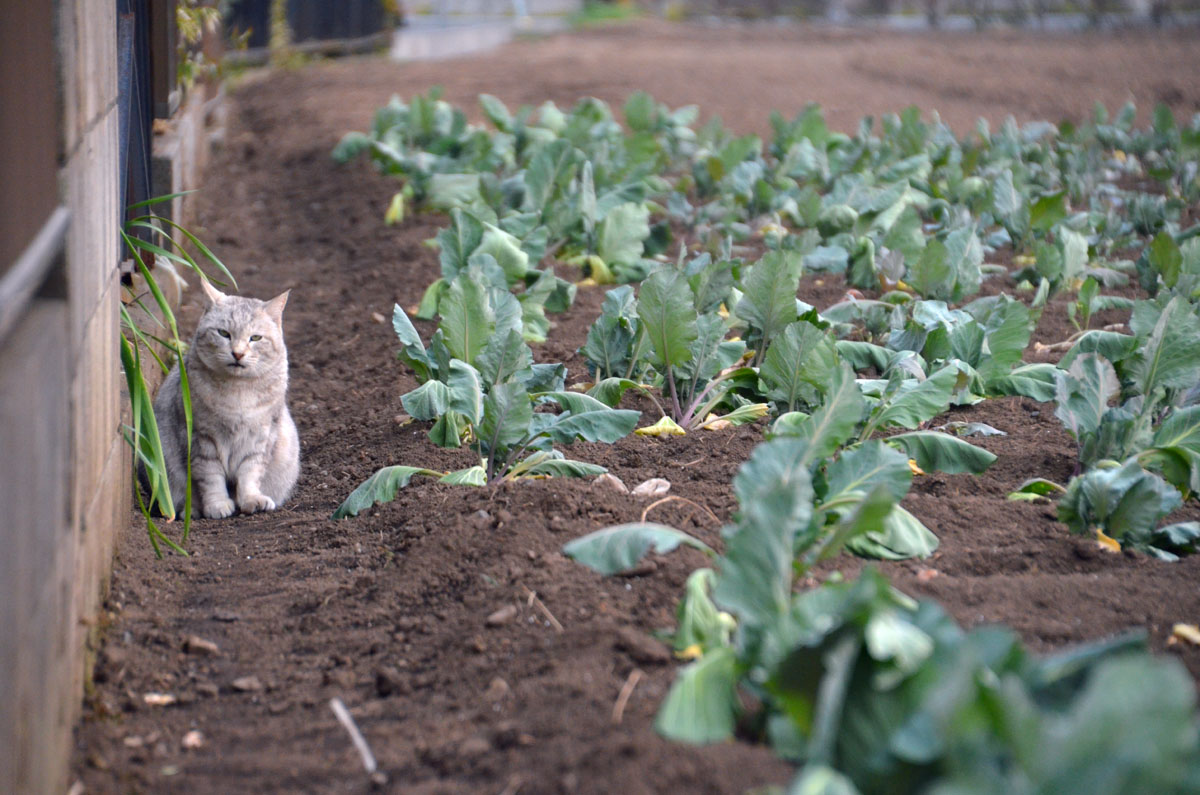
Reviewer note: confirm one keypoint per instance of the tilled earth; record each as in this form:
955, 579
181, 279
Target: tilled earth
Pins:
471, 653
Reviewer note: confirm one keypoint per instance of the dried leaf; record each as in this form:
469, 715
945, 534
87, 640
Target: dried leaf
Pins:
912, 465
611, 481
1106, 543
653, 487
1185, 632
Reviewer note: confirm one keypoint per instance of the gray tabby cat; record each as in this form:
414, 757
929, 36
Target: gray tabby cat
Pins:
245, 450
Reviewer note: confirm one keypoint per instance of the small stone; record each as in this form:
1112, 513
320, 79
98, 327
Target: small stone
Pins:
95, 760
378, 318
481, 520
207, 689
159, 699
247, 684
389, 681
225, 616
478, 644
496, 691
474, 746
641, 647
197, 645
192, 740
502, 616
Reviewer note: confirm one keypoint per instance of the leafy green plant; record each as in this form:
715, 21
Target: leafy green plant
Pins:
673, 334
873, 692
481, 389
147, 329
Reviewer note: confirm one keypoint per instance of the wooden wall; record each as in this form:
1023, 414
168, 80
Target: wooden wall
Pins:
64, 470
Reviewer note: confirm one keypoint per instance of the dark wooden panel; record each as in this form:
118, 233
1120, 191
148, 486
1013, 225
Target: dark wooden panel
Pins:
29, 125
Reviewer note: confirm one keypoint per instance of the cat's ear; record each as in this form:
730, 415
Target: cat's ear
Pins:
274, 307
213, 295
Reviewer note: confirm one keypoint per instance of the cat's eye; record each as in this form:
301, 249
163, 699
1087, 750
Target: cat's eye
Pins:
223, 333
255, 337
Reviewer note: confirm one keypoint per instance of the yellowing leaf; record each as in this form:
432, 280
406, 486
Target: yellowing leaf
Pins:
1118, 155
714, 423
723, 312
395, 210
1106, 543
1185, 632
693, 652
586, 282
912, 465
664, 427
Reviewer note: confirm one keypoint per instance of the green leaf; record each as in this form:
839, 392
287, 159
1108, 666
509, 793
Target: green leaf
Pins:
816, 779
1034, 381
1165, 257
768, 300
1181, 428
379, 488
471, 476
1127, 503
903, 536
458, 242
911, 407
666, 311
565, 468
504, 357
774, 490
622, 233
964, 256
858, 471
1074, 249
834, 423
1047, 211
466, 390
1170, 355
619, 548
606, 426
800, 362
610, 390
506, 250
1082, 394
702, 705
496, 112
507, 413
940, 452
467, 320
549, 171
428, 401
699, 622
447, 191
413, 353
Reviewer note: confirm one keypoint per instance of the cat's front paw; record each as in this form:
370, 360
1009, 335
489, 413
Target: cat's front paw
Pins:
219, 509
253, 503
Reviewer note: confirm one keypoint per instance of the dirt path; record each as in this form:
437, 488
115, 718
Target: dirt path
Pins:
389, 612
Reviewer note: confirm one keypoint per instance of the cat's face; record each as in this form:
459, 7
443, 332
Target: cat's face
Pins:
241, 337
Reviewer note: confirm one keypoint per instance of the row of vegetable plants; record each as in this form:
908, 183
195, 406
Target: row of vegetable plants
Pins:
869, 690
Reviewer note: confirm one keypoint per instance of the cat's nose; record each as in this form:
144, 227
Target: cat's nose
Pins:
238, 355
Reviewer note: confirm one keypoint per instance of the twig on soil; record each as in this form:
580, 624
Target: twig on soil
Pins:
364, 750
534, 601
668, 498
690, 463
513, 786
618, 712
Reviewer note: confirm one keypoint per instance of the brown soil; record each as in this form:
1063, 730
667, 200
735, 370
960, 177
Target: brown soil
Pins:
389, 611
